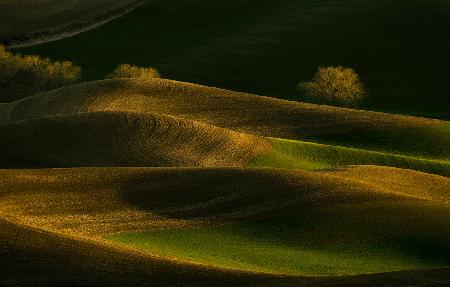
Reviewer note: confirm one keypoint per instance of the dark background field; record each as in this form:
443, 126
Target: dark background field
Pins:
399, 48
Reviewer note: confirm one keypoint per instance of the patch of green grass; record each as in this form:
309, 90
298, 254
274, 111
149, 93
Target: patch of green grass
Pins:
222, 248
324, 243
428, 142
266, 47
310, 156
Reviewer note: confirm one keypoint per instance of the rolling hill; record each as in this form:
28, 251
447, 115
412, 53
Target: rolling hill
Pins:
398, 47
123, 139
65, 213
244, 113
153, 122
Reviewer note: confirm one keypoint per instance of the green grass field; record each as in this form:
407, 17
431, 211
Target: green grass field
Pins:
267, 47
312, 244
306, 155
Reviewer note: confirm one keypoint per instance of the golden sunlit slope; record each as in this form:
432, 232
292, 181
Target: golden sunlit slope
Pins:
401, 181
99, 199
123, 139
60, 215
102, 200
28, 20
245, 113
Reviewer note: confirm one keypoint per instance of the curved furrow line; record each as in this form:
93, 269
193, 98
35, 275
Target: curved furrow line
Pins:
124, 139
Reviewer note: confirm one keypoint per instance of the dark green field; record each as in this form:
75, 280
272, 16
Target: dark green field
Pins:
399, 48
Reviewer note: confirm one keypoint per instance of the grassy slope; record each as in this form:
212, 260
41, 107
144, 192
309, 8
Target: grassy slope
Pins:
304, 155
324, 216
22, 18
26, 252
326, 232
285, 246
32, 257
410, 136
123, 139
266, 47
